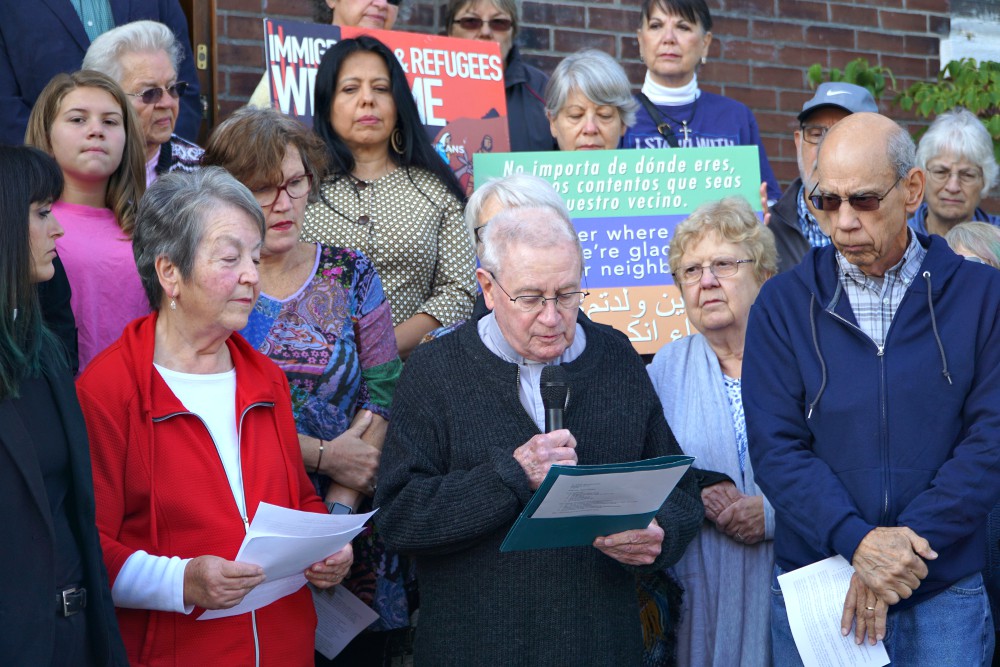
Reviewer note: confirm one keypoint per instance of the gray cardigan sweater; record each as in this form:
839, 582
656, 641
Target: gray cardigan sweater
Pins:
450, 489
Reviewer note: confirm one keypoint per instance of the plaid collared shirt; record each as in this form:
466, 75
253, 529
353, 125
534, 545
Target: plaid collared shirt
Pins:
808, 224
875, 300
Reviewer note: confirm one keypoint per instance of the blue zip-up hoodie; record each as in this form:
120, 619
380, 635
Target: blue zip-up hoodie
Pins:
845, 436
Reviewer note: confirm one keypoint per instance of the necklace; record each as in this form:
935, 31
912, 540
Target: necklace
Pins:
663, 127
684, 123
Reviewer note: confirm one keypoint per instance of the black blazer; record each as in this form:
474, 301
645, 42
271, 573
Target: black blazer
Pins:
27, 550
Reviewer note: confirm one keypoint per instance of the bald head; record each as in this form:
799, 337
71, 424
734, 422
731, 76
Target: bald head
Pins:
871, 139
869, 185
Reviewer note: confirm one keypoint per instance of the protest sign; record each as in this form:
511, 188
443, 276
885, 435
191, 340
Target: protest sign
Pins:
456, 83
625, 205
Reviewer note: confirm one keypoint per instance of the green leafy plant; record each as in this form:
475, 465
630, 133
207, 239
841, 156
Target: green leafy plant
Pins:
961, 83
858, 72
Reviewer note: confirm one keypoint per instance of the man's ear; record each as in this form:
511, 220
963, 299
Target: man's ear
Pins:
914, 184
483, 276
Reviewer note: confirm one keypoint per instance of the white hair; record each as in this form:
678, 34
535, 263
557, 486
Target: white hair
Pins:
105, 52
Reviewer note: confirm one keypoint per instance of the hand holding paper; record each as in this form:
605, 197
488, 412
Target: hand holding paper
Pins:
284, 543
331, 571
865, 611
633, 547
211, 582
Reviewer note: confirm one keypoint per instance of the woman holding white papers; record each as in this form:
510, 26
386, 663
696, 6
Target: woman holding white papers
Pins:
720, 256
191, 429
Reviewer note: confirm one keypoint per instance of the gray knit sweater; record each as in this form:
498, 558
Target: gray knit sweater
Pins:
450, 489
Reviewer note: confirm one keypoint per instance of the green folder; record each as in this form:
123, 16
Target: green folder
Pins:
531, 532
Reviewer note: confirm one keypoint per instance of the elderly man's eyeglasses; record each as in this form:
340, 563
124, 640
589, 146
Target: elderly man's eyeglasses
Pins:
941, 175
475, 23
532, 302
867, 202
154, 95
813, 134
296, 188
721, 267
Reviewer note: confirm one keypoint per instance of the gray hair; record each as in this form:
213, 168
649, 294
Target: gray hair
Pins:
733, 221
962, 134
105, 52
535, 226
514, 191
171, 217
599, 77
980, 238
901, 151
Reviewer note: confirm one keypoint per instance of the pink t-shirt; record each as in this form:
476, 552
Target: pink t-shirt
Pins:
107, 292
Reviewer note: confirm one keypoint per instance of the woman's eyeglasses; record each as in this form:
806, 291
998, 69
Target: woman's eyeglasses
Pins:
965, 176
721, 267
867, 202
296, 188
154, 95
471, 23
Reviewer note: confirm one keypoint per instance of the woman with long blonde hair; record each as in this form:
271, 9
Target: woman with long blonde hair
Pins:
86, 123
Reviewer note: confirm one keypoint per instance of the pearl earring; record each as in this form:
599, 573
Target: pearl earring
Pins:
173, 305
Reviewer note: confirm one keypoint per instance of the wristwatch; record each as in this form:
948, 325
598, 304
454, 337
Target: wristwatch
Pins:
339, 508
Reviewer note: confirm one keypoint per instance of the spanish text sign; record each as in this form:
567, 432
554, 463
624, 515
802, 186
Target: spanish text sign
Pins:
625, 205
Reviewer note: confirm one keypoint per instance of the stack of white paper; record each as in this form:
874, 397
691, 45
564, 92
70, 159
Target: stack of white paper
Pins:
285, 542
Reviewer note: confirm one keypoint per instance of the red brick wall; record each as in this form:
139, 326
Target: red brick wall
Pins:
759, 56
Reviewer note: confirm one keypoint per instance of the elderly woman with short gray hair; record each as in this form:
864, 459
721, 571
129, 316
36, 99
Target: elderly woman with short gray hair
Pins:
589, 102
720, 256
190, 430
956, 155
142, 57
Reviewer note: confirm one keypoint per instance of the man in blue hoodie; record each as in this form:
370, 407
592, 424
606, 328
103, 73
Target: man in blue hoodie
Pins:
871, 385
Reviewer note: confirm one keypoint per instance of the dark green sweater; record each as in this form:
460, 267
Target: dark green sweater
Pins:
450, 489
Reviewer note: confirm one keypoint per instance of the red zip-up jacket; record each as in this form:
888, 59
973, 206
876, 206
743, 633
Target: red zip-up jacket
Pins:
160, 486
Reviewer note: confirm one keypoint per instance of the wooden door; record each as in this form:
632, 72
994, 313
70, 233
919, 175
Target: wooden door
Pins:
202, 28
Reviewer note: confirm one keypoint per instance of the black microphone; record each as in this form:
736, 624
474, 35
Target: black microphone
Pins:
555, 396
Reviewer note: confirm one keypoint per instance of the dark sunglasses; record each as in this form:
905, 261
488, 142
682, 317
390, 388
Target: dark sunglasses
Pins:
154, 95
476, 23
831, 203
394, 3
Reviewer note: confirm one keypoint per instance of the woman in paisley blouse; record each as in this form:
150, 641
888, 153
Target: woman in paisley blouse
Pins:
323, 318
388, 193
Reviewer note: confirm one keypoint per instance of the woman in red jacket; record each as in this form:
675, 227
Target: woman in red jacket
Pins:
191, 429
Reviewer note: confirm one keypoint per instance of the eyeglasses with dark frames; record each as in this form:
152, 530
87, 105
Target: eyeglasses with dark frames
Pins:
533, 302
154, 95
471, 23
721, 267
296, 188
813, 134
867, 202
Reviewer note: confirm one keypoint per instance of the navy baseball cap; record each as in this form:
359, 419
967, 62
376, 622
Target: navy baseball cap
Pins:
846, 96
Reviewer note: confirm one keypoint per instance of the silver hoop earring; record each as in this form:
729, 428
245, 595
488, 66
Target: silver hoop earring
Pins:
704, 60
